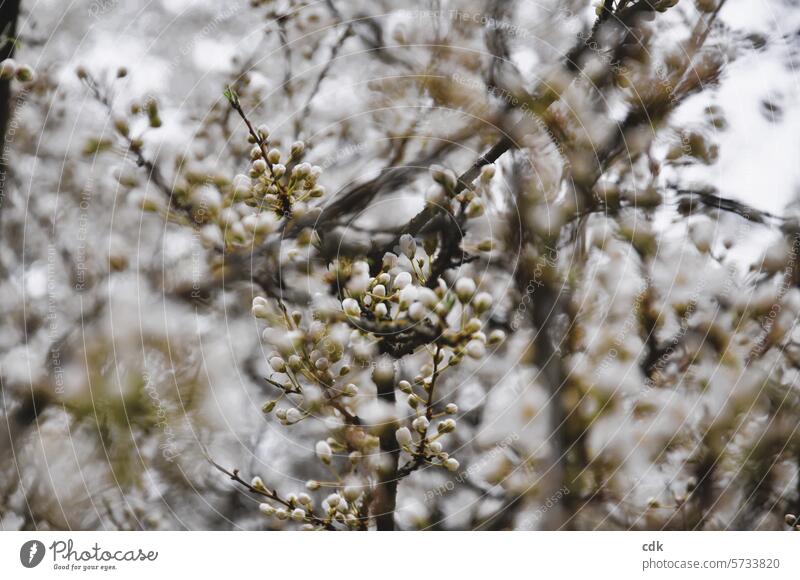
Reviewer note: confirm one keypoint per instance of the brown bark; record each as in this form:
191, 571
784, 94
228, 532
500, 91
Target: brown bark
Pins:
9, 12
385, 502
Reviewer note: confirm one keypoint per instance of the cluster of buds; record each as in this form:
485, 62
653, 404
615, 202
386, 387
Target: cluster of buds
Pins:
295, 507
311, 366
345, 506
313, 360
11, 69
148, 109
423, 440
394, 301
471, 198
251, 206
309, 363
277, 181
231, 223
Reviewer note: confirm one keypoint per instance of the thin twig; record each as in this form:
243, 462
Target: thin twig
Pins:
269, 494
324, 73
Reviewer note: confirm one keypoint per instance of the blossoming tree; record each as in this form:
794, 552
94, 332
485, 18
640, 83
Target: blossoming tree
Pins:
386, 268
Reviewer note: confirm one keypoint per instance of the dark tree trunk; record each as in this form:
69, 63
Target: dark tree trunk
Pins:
383, 506
9, 11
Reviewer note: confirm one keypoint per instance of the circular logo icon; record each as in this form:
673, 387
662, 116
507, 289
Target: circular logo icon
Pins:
31, 553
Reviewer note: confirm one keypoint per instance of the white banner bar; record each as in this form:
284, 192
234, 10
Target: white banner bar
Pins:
399, 555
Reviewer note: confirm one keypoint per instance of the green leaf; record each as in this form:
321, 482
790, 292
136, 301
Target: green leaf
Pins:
231, 95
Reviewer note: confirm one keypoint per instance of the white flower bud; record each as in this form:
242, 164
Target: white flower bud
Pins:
420, 424
265, 224
451, 409
298, 514
496, 336
316, 330
408, 295
277, 364
475, 209
465, 288
295, 362
260, 310
257, 483
379, 290
473, 325
8, 68
403, 436
266, 509
312, 485
436, 446
250, 222
301, 170
351, 307
444, 176
381, 311
446, 426
282, 514
263, 131
408, 245
297, 149
389, 261
402, 280
482, 302
228, 217
451, 464
360, 268
404, 386
416, 311
242, 185
324, 452
273, 156
428, 297
351, 493
238, 231
350, 390
278, 170
211, 235
475, 349
259, 166
304, 498
293, 415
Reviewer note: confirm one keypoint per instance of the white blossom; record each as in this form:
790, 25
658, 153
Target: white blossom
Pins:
324, 452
